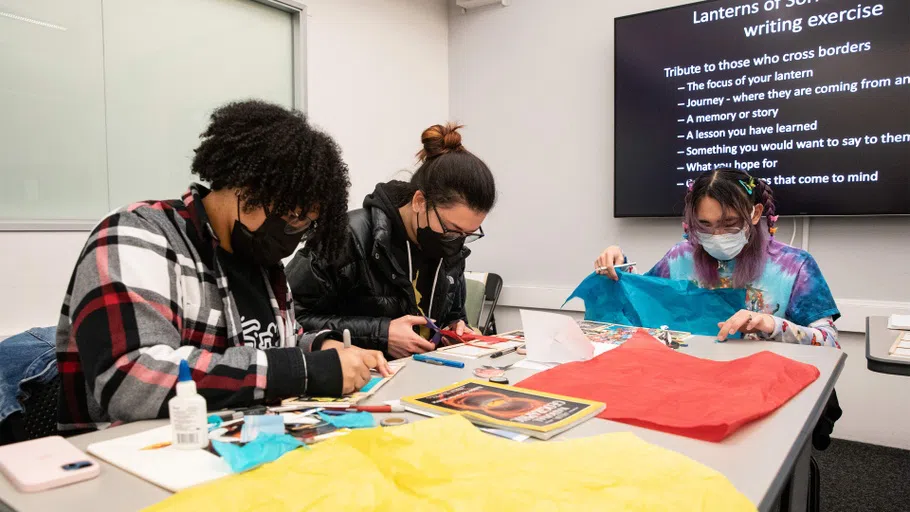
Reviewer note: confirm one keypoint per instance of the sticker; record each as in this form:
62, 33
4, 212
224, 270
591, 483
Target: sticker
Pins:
394, 421
499, 380
487, 373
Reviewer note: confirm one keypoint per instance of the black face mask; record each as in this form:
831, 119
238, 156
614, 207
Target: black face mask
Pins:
266, 246
432, 244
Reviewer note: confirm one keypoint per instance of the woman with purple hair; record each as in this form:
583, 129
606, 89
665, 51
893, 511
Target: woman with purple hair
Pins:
729, 243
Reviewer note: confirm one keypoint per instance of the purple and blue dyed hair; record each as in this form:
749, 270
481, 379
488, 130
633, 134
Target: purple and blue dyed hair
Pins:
739, 192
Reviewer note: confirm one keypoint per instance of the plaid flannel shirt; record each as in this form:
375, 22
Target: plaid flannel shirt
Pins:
148, 291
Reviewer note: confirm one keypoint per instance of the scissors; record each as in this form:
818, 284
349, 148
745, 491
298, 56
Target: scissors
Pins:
443, 336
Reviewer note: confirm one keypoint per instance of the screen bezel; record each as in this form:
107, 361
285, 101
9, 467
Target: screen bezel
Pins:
617, 215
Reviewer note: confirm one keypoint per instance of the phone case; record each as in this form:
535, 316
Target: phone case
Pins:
45, 463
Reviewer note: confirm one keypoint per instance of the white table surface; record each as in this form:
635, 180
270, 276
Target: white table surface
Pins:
757, 459
879, 340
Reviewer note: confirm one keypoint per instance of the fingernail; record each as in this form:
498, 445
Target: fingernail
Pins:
732, 331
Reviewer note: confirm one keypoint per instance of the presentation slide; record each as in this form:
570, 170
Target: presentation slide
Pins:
812, 96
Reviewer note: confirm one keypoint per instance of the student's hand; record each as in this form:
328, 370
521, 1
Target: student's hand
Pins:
356, 364
460, 328
331, 344
745, 321
611, 257
403, 341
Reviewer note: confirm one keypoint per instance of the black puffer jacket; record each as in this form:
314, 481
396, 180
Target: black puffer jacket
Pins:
365, 288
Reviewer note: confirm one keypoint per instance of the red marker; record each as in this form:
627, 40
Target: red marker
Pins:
368, 408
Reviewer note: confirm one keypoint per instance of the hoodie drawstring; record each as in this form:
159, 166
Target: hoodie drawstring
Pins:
435, 279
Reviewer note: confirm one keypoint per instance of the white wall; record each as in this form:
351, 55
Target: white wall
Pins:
377, 76
532, 82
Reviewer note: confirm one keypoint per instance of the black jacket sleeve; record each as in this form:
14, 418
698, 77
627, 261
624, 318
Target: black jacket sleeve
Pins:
319, 288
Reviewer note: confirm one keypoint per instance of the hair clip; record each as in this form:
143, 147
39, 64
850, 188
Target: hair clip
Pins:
685, 231
772, 230
748, 186
773, 218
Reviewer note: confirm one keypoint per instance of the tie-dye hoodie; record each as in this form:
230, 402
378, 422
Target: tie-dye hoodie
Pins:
791, 289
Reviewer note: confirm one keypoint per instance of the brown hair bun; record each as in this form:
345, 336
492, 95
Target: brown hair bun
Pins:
439, 140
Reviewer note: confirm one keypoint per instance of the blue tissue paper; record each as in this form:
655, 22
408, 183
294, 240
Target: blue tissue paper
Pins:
350, 420
265, 448
648, 301
254, 425
369, 385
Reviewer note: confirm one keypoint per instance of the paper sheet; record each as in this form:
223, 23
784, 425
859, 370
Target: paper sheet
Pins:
900, 322
554, 338
514, 436
600, 348
402, 468
166, 467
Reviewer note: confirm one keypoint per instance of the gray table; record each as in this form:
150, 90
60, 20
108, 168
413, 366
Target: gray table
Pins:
759, 459
878, 342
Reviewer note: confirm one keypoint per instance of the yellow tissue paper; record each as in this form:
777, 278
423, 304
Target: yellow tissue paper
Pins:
447, 464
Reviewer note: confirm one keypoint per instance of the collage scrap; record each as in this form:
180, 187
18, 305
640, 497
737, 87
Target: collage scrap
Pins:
600, 332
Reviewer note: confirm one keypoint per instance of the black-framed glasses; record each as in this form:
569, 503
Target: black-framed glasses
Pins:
450, 235
297, 224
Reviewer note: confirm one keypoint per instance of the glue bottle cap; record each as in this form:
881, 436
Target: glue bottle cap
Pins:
185, 384
184, 374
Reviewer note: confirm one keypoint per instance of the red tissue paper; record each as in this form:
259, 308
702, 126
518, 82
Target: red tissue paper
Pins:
646, 383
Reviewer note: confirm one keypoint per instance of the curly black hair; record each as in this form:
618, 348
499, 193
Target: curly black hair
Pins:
277, 161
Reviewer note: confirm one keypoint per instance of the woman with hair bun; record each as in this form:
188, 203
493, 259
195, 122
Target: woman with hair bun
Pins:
405, 255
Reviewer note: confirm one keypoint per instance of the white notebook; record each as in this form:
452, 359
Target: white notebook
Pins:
899, 322
166, 467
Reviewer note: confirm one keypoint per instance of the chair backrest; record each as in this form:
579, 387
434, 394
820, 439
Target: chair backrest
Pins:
482, 295
473, 304
491, 296
40, 415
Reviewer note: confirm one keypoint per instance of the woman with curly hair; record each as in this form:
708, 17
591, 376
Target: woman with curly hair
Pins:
201, 279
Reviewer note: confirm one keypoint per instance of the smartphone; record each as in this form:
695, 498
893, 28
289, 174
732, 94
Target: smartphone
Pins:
45, 463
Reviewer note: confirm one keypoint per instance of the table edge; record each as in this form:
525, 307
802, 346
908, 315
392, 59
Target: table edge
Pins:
876, 364
805, 436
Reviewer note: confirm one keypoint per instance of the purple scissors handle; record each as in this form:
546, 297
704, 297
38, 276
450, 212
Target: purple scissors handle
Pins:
437, 333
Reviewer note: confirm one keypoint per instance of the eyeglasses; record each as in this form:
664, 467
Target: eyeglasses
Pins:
296, 224
450, 235
708, 229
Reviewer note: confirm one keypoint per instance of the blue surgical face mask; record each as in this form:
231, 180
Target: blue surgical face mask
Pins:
723, 247
726, 246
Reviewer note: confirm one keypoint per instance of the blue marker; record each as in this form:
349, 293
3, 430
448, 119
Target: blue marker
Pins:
438, 361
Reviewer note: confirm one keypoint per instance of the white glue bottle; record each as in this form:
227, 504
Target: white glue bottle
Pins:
188, 413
